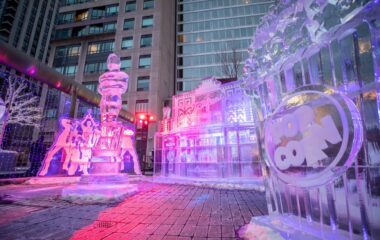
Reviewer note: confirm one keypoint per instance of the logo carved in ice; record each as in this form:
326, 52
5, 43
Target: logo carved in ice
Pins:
314, 136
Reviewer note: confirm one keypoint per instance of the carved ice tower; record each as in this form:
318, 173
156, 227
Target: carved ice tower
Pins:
112, 84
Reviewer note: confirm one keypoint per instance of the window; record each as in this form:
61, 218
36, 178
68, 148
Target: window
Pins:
297, 71
93, 86
364, 48
146, 40
63, 33
97, 13
142, 106
147, 21
112, 10
67, 51
125, 105
51, 113
81, 16
95, 29
144, 61
126, 63
127, 43
129, 23
66, 18
109, 27
148, 4
348, 58
68, 70
142, 84
101, 47
96, 67
130, 6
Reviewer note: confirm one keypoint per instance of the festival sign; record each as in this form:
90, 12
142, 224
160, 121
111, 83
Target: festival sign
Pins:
313, 136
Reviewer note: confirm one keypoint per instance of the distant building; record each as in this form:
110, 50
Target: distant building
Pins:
207, 34
141, 33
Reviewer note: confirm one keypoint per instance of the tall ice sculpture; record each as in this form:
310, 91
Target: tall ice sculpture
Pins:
105, 180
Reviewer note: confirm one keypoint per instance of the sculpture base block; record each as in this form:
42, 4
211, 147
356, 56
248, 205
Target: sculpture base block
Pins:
98, 188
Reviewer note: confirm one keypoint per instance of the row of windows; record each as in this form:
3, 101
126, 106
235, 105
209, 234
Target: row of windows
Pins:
98, 67
68, 51
102, 46
347, 61
216, 47
100, 12
140, 107
147, 21
200, 72
72, 2
85, 30
210, 59
248, 10
68, 70
220, 24
131, 5
216, 35
145, 41
142, 84
194, 6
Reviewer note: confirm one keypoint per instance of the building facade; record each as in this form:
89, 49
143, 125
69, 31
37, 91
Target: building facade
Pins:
140, 32
212, 38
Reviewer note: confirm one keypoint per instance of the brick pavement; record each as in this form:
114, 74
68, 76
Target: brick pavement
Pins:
158, 211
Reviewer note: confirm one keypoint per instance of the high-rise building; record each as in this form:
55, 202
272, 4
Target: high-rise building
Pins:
140, 32
26, 25
213, 36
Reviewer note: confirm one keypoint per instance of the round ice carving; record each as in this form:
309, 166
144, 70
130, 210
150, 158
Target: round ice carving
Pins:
313, 136
113, 62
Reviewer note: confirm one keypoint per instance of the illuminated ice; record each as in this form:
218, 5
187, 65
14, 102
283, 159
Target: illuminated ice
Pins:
211, 136
97, 150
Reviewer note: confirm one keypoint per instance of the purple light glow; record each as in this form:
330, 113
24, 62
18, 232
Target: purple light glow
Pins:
31, 70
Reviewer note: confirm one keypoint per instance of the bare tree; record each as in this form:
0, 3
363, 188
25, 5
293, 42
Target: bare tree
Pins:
21, 103
231, 62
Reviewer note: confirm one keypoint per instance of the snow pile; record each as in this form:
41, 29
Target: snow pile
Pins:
226, 184
258, 232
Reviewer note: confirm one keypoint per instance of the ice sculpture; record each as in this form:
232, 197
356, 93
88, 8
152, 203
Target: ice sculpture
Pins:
166, 112
114, 139
62, 142
84, 143
211, 134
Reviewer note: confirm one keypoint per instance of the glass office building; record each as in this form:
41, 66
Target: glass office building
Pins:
207, 31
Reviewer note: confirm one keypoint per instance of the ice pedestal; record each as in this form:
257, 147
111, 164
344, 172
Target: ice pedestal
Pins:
104, 183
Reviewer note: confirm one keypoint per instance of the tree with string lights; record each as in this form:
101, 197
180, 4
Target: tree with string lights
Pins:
21, 103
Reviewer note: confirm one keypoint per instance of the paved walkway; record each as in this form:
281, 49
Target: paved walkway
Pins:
158, 211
